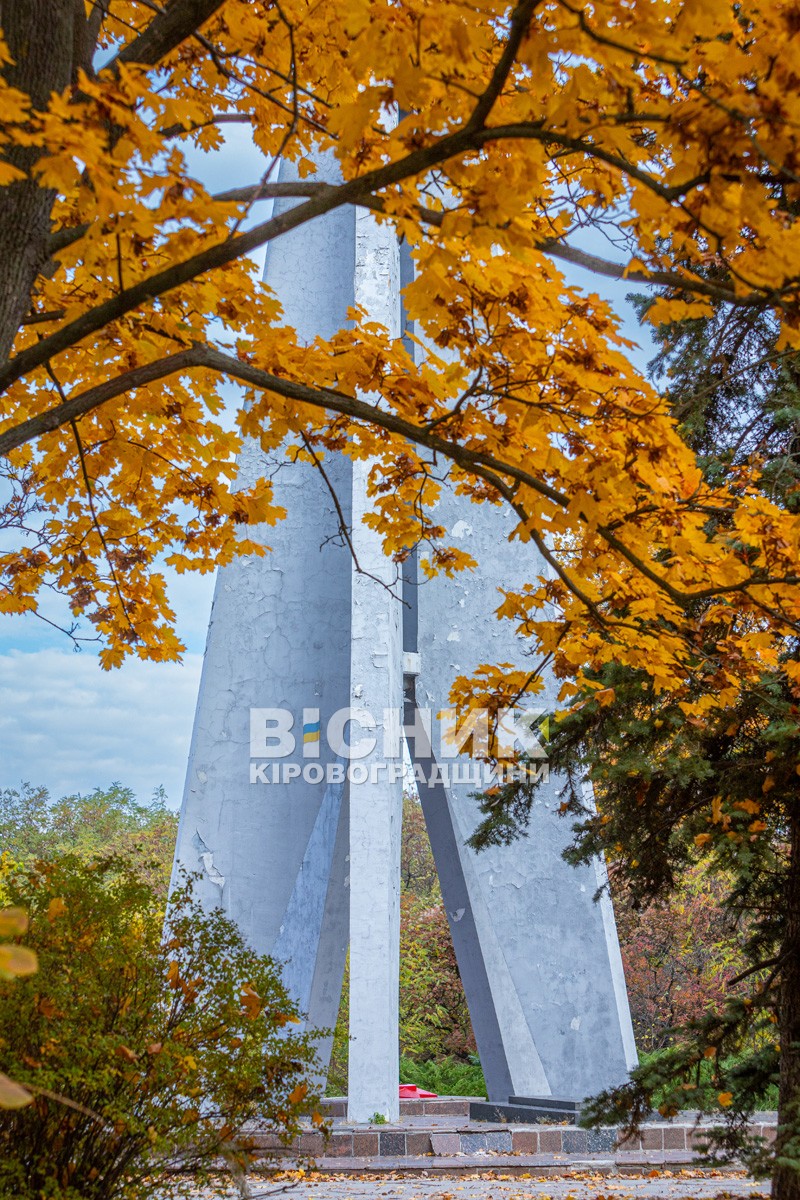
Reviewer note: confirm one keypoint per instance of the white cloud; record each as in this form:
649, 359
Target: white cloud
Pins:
67, 724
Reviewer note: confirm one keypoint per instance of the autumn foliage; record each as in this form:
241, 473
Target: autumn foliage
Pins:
141, 1054
489, 138
680, 954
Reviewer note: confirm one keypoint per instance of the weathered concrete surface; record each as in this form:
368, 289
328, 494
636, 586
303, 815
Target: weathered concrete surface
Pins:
550, 953
376, 801
273, 855
540, 961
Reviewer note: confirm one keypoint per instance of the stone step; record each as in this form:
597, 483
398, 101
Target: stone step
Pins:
442, 1106
570, 1108
677, 1142
527, 1166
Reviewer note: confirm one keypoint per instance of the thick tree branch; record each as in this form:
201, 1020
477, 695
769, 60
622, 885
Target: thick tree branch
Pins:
219, 255
78, 406
252, 193
477, 462
173, 25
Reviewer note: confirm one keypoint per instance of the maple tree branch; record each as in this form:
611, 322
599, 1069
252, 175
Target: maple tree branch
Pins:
96, 523
94, 24
168, 28
90, 496
322, 198
270, 191
71, 633
76, 406
604, 40
544, 550
224, 252
485, 466
225, 118
520, 20
539, 132
671, 279
554, 247
62, 238
38, 318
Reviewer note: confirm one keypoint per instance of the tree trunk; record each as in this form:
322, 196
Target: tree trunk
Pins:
786, 1179
42, 36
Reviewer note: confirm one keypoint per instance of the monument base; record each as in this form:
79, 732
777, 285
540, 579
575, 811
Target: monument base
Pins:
441, 1136
527, 1110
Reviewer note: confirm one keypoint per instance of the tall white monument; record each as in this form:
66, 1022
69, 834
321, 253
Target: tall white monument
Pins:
293, 815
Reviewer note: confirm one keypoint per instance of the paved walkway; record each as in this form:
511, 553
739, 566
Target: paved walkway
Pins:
683, 1185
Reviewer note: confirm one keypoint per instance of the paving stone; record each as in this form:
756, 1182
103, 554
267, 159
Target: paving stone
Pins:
498, 1143
266, 1141
674, 1137
339, 1144
392, 1143
574, 1141
311, 1143
365, 1145
550, 1141
525, 1141
418, 1143
652, 1137
600, 1140
450, 1108
445, 1143
472, 1142
411, 1108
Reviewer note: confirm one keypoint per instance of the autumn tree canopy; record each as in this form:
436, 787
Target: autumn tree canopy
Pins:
127, 298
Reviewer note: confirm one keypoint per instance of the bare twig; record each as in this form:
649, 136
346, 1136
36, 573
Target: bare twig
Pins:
344, 529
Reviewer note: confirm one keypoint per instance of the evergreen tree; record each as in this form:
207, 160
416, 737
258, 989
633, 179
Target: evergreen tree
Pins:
679, 782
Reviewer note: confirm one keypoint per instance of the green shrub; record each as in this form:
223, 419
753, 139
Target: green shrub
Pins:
705, 1093
162, 1044
448, 1077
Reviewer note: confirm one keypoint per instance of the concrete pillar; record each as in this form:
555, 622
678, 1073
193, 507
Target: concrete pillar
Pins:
376, 798
272, 853
554, 1018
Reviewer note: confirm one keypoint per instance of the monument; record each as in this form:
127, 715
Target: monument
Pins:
292, 808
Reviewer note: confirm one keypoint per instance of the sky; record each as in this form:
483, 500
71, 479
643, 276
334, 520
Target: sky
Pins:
70, 726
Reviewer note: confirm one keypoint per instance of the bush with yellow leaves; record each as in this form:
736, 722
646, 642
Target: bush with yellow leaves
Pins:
147, 1049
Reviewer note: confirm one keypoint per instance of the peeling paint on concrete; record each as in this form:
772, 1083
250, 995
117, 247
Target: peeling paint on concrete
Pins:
206, 857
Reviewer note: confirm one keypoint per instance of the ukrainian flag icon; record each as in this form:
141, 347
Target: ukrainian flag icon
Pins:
311, 739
